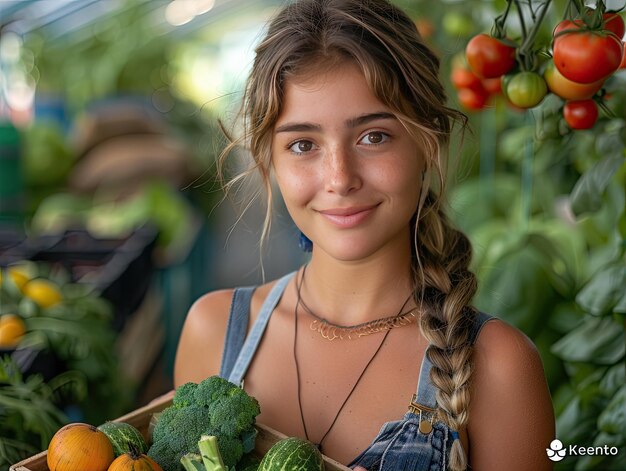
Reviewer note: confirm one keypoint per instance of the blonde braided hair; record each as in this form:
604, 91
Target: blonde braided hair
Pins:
447, 288
402, 72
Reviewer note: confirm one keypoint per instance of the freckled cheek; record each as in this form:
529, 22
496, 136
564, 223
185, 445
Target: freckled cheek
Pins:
297, 186
398, 180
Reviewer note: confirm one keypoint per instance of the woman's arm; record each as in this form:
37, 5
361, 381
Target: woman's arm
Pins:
201, 343
511, 415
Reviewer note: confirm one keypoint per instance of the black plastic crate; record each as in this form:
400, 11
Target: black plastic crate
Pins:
120, 269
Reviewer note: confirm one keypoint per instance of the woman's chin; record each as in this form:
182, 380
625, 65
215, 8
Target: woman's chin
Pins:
348, 251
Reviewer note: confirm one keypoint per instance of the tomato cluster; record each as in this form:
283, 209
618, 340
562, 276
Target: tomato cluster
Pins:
585, 52
473, 91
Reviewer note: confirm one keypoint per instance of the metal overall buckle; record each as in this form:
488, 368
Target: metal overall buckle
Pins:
425, 425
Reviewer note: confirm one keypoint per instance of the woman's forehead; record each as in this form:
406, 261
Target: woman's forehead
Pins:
338, 92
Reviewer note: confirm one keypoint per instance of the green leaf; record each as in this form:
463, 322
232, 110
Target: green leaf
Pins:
621, 305
604, 291
612, 380
613, 418
603, 462
28, 308
575, 425
555, 264
565, 317
516, 287
598, 340
587, 193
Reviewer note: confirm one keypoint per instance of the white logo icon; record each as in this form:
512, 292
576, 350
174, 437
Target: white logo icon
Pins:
556, 451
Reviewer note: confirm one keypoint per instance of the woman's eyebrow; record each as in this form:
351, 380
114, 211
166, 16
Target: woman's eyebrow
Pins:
297, 127
351, 123
366, 118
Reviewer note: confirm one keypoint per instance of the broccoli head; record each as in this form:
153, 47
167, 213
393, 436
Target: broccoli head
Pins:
212, 407
233, 413
185, 395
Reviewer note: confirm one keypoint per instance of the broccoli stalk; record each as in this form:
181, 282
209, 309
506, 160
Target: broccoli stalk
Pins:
192, 462
210, 453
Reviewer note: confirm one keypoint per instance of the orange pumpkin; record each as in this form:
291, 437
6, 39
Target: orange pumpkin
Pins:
134, 461
79, 447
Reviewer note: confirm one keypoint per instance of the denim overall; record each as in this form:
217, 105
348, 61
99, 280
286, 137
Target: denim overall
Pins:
400, 445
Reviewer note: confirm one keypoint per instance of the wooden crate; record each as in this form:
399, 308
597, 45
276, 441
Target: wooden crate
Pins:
140, 419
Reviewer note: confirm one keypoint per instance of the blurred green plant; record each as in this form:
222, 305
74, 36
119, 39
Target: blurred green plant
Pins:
29, 410
128, 52
557, 269
77, 330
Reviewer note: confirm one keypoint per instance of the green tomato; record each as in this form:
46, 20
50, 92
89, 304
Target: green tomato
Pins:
526, 89
504, 84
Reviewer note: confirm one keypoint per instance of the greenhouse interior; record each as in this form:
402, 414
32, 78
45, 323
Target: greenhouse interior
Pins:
119, 212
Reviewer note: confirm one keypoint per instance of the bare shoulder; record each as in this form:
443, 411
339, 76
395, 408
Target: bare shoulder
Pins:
511, 414
201, 343
498, 344
199, 353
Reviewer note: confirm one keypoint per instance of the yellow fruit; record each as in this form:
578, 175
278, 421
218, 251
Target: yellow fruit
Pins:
12, 328
43, 292
19, 277
19, 273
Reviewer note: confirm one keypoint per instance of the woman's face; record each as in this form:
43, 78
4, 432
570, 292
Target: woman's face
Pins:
348, 170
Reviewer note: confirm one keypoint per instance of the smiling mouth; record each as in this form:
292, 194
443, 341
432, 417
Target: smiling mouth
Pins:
348, 217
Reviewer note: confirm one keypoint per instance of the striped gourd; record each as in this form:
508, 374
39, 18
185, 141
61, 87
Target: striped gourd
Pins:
292, 454
122, 436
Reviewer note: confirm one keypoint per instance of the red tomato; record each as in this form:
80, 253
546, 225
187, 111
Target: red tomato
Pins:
567, 89
612, 22
489, 57
587, 56
492, 85
615, 23
580, 114
472, 99
465, 78
566, 25
526, 89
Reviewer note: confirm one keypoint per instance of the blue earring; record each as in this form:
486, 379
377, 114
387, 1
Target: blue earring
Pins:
305, 243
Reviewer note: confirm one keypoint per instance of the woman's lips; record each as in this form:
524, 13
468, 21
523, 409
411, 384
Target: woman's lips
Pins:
347, 217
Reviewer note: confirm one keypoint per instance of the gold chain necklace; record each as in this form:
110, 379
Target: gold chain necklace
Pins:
295, 358
331, 331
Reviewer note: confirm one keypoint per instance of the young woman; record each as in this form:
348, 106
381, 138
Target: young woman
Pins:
372, 350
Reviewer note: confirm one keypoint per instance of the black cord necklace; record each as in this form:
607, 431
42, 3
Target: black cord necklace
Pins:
295, 357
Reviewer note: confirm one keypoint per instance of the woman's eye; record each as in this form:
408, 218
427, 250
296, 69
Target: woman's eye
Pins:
374, 138
300, 147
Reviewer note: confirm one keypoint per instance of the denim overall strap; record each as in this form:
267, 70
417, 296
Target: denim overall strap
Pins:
426, 390
236, 329
252, 341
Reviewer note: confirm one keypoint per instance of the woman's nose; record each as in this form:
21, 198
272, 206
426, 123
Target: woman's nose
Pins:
341, 171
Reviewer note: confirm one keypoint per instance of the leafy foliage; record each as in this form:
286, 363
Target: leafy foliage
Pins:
77, 331
29, 415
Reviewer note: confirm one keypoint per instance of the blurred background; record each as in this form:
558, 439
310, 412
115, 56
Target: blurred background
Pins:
112, 220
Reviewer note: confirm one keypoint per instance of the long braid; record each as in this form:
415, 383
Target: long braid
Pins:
444, 255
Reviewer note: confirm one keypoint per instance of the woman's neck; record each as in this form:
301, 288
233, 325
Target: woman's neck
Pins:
349, 293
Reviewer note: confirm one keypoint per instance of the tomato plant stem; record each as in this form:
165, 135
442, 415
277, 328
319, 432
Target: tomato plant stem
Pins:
520, 13
525, 53
498, 31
